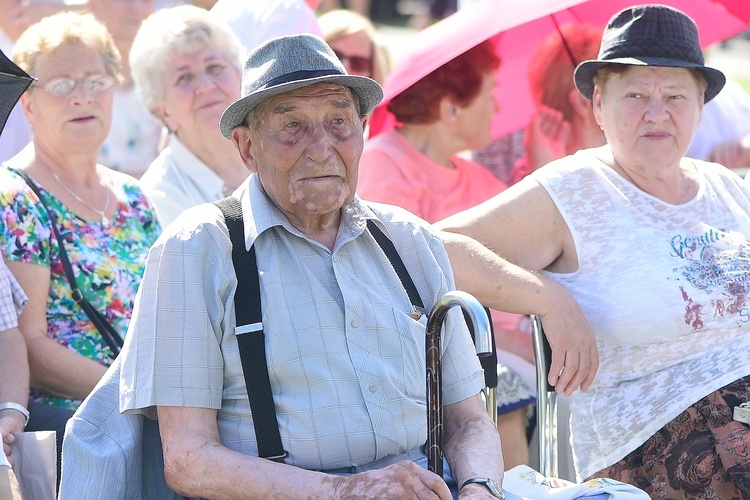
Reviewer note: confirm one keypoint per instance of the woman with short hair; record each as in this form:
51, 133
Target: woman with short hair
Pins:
187, 69
102, 215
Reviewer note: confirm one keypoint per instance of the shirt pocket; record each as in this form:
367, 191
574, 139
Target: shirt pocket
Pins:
410, 361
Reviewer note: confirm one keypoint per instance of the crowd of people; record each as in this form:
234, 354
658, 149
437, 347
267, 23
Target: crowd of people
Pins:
172, 163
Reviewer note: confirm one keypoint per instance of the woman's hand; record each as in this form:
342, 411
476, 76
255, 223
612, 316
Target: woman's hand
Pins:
11, 422
575, 357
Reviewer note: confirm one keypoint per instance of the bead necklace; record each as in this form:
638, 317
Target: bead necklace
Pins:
101, 213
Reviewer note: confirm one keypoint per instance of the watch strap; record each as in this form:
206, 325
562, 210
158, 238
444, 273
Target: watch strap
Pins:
18, 408
488, 483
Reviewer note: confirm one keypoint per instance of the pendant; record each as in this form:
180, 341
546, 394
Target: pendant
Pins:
105, 221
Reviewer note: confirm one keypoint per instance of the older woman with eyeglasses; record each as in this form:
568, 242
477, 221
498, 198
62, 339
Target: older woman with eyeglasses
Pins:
186, 66
102, 216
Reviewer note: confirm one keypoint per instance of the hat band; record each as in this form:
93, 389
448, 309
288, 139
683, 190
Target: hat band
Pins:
298, 76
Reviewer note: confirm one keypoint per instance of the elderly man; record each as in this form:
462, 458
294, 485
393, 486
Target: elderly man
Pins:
344, 344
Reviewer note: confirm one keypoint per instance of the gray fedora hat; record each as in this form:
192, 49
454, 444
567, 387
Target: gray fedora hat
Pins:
650, 35
290, 62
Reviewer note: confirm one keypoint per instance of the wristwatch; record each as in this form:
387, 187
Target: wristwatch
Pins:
491, 485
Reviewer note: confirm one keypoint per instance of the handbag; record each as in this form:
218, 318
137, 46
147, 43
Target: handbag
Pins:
109, 334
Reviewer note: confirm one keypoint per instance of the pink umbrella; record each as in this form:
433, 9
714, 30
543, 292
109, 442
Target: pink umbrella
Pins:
517, 27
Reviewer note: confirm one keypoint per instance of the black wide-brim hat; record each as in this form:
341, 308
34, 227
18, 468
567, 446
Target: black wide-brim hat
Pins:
290, 62
650, 35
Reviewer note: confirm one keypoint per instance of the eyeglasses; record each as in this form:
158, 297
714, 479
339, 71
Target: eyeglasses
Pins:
358, 63
64, 86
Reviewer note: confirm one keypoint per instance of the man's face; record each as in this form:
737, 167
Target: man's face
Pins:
305, 146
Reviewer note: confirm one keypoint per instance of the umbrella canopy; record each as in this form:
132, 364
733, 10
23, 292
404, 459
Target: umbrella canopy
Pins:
517, 27
13, 82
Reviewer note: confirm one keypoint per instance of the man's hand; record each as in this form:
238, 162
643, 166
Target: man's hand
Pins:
401, 480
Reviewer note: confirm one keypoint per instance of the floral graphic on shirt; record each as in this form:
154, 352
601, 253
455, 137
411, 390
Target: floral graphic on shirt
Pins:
718, 264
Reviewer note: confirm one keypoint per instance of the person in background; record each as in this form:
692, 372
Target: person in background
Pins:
564, 120
14, 364
724, 133
361, 7
355, 41
103, 216
187, 69
260, 20
416, 165
15, 17
637, 260
346, 353
135, 136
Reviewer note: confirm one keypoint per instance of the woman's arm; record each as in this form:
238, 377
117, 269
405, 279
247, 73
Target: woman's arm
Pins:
14, 384
496, 250
54, 369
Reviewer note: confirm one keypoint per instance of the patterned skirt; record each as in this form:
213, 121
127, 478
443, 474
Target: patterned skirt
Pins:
701, 454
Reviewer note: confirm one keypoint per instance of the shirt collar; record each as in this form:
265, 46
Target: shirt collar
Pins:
266, 215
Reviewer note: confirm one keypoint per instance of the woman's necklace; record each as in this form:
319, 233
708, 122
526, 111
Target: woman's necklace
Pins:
101, 213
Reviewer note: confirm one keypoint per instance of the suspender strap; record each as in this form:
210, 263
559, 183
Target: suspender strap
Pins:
489, 362
398, 265
250, 336
249, 330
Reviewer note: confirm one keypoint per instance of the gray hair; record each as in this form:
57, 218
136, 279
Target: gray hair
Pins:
184, 29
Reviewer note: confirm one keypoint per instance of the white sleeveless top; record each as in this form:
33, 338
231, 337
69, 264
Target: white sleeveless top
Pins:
665, 287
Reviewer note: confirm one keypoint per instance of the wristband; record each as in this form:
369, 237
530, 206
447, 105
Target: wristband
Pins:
18, 408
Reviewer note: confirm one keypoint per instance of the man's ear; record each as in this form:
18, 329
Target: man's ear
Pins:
242, 141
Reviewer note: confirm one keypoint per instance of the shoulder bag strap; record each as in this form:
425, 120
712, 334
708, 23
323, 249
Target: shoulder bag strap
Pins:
108, 333
250, 337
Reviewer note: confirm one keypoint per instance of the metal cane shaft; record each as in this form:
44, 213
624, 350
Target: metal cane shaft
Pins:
483, 343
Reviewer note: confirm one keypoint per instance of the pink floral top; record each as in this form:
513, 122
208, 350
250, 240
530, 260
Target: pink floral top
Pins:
108, 260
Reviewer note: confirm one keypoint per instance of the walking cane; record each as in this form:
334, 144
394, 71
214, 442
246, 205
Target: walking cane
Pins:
483, 344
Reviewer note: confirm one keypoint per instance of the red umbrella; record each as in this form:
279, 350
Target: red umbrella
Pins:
517, 27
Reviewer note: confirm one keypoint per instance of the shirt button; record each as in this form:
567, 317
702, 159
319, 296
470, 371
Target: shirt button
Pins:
354, 323
373, 388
